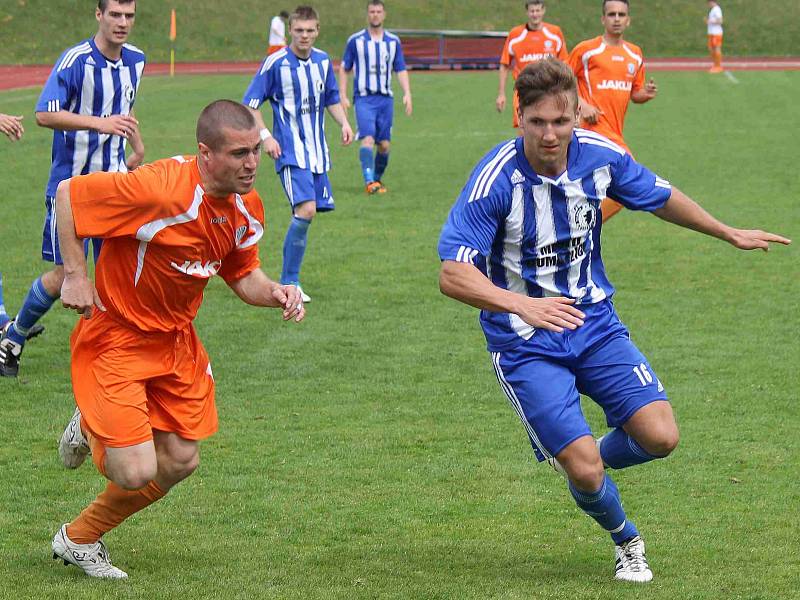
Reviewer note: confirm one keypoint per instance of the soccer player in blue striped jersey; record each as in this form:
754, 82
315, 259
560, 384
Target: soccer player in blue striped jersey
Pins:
522, 243
88, 103
374, 53
300, 84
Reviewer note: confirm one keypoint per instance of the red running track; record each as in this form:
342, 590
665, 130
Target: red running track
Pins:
21, 76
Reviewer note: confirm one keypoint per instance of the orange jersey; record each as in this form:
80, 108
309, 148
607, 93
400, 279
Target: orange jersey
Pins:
163, 239
607, 75
524, 46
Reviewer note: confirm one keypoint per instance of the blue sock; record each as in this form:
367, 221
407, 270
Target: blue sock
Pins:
294, 248
367, 164
37, 302
381, 160
4, 318
605, 507
619, 450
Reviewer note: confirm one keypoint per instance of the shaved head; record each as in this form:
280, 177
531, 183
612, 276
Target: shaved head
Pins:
218, 116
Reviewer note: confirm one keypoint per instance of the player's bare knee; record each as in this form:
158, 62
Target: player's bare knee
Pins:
587, 479
134, 476
383, 147
306, 210
368, 142
661, 441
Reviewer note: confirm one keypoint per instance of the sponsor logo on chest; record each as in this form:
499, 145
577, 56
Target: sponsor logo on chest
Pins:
198, 268
615, 84
534, 56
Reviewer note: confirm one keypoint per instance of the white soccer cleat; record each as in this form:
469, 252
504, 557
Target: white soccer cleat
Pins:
73, 447
92, 558
631, 562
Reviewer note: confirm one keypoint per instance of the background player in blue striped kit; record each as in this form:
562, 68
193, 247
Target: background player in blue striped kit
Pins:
522, 243
299, 83
374, 53
88, 102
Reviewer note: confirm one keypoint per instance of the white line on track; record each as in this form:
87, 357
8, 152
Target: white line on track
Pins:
731, 77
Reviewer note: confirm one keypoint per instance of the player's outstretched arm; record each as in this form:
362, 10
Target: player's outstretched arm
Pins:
465, 283
11, 126
257, 289
683, 211
63, 120
338, 114
77, 291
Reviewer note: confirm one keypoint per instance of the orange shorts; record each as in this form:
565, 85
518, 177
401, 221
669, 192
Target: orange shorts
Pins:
274, 49
129, 382
714, 41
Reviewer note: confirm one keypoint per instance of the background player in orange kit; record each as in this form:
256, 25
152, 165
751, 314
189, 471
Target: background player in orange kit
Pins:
526, 44
142, 379
610, 73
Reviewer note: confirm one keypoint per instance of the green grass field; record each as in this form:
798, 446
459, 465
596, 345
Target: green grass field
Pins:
34, 31
369, 452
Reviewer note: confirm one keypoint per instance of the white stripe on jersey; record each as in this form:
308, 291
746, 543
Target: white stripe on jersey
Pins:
585, 59
519, 38
148, 231
289, 103
466, 255
305, 118
512, 257
587, 133
371, 58
72, 54
577, 203
632, 54
663, 183
517, 405
318, 73
362, 66
601, 143
506, 151
81, 153
545, 236
553, 37
271, 59
258, 230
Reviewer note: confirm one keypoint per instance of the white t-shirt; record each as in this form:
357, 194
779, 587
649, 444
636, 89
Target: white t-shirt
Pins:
277, 31
715, 14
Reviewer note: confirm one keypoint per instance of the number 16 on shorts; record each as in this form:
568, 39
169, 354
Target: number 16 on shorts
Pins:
646, 377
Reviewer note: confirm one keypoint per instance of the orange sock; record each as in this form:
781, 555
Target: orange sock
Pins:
109, 509
609, 208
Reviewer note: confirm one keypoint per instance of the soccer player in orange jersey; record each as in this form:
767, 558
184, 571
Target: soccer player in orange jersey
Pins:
610, 72
525, 44
142, 379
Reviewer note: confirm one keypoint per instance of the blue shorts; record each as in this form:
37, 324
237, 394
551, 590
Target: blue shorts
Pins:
374, 115
301, 185
544, 377
50, 250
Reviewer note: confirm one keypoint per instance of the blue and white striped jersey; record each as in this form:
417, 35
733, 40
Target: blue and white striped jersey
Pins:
374, 62
539, 236
85, 82
299, 91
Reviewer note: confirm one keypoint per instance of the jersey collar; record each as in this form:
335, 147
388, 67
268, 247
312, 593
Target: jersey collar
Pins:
100, 59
